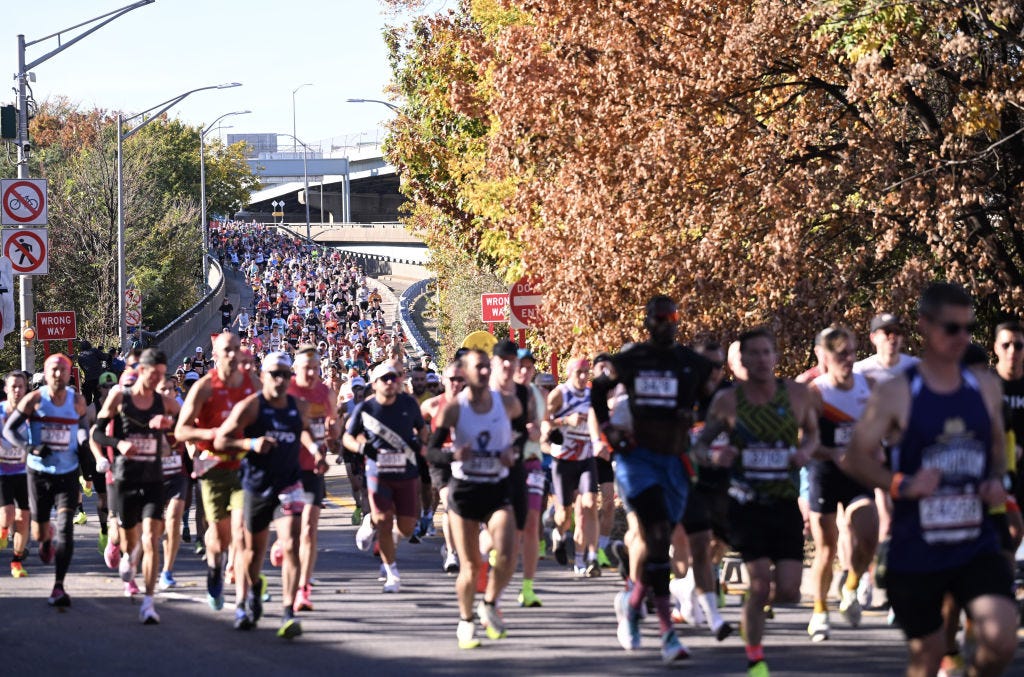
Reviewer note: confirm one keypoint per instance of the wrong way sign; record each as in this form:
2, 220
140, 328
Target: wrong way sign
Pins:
23, 202
28, 249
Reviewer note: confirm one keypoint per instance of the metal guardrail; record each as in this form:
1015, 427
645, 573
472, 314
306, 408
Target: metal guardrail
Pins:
420, 343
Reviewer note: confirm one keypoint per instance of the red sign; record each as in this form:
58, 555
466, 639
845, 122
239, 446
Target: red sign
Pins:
24, 202
495, 307
58, 326
524, 299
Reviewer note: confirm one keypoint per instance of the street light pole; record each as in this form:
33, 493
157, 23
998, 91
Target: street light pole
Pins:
305, 180
26, 299
159, 109
346, 184
305, 84
202, 185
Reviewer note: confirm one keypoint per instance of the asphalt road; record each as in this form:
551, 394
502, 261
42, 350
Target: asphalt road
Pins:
355, 629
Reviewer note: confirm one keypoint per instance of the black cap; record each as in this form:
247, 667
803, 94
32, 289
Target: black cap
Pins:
885, 321
505, 348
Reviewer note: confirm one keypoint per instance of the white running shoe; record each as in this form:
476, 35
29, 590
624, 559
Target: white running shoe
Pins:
392, 584
147, 613
849, 607
126, 569
628, 630
819, 628
866, 591
366, 534
451, 563
492, 621
466, 634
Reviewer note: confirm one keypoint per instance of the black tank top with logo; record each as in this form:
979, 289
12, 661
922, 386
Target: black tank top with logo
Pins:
145, 465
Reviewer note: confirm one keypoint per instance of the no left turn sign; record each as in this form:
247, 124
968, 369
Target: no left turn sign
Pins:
28, 250
23, 202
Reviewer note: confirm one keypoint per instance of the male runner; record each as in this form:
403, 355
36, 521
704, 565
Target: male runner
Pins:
273, 427
773, 432
307, 386
1009, 350
663, 380
887, 338
14, 511
536, 480
141, 416
947, 462
386, 429
481, 453
53, 413
206, 406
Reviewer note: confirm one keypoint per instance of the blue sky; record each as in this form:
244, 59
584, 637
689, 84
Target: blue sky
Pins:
171, 46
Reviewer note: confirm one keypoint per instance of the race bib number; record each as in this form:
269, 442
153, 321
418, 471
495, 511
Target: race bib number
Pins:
950, 518
482, 465
292, 499
318, 430
171, 463
391, 461
55, 435
145, 447
843, 435
656, 386
536, 481
771, 460
11, 455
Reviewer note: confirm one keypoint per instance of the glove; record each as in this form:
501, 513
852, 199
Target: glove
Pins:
102, 465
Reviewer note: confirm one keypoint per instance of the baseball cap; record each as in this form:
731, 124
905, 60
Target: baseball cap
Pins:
191, 376
357, 382
199, 349
276, 359
526, 354
432, 377
108, 378
505, 348
885, 321
546, 380
381, 370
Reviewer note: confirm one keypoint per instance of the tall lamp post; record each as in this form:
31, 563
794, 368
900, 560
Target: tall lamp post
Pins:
26, 301
305, 178
156, 111
202, 184
391, 106
294, 130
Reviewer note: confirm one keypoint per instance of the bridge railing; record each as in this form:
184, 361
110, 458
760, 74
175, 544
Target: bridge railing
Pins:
183, 330
421, 344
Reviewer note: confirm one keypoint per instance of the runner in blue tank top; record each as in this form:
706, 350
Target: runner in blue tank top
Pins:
944, 425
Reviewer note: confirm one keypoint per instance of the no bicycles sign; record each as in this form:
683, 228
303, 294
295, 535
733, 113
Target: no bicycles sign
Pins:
23, 202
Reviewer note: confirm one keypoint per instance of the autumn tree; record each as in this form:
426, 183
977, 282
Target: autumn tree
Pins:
768, 162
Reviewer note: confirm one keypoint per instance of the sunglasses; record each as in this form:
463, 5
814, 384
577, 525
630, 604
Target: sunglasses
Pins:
954, 328
671, 316
1017, 345
281, 373
389, 378
456, 379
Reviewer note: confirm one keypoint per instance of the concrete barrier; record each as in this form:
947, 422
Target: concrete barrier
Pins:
184, 329
421, 344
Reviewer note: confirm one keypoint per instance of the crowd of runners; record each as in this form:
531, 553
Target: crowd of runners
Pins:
902, 471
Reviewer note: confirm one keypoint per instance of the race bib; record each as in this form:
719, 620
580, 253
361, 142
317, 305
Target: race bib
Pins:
482, 465
11, 455
391, 461
536, 481
172, 462
656, 386
318, 430
766, 460
292, 499
53, 435
145, 447
950, 518
843, 435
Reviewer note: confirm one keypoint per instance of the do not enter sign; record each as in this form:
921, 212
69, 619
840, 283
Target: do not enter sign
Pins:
524, 299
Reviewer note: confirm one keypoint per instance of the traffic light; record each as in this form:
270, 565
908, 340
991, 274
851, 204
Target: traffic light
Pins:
28, 334
8, 122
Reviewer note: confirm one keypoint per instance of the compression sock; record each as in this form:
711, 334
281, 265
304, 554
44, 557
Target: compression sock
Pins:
852, 580
755, 653
663, 605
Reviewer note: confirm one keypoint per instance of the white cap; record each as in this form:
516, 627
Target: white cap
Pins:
198, 349
381, 370
276, 359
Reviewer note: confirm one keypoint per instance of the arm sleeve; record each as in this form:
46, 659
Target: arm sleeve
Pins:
11, 434
100, 436
436, 454
599, 398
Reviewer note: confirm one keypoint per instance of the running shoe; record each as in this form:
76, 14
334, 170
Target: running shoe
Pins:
579, 571
17, 570
466, 634
357, 516
849, 607
254, 603
125, 569
265, 586
290, 628
724, 630
451, 563
131, 589
166, 581
628, 618
672, 649
593, 569
528, 598
431, 530
366, 534
494, 624
602, 559
819, 628
112, 555
81, 518
276, 554
392, 584
865, 592
243, 621
215, 589
86, 486
558, 545
424, 526
302, 600
59, 598
758, 669
3, 538
46, 549
952, 666
147, 613
101, 543
200, 548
